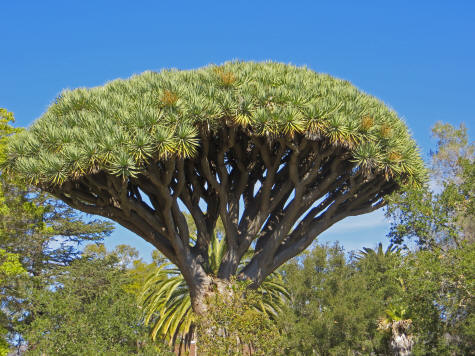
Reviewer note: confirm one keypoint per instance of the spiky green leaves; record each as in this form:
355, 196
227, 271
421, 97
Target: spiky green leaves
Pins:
367, 156
186, 140
127, 124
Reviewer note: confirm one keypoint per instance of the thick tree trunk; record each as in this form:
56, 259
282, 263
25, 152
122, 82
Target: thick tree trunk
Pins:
200, 294
401, 340
209, 287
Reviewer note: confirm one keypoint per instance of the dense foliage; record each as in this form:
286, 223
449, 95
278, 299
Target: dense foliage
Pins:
335, 304
125, 124
10, 271
444, 216
339, 306
88, 312
439, 278
438, 289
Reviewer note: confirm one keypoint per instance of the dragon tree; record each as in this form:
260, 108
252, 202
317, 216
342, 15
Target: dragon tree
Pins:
279, 153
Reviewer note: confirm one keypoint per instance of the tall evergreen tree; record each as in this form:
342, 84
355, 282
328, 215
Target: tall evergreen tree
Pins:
279, 153
43, 232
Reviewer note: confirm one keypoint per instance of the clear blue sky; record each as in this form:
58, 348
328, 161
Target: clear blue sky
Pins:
417, 56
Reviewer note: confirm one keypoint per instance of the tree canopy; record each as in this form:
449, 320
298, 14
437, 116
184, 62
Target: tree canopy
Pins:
279, 153
444, 216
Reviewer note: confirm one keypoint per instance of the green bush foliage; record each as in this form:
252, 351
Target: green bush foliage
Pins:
233, 326
88, 312
335, 304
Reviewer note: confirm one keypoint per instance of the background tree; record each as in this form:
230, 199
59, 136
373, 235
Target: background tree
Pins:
43, 232
443, 216
278, 153
438, 289
453, 147
89, 312
336, 302
379, 266
381, 271
421, 300
10, 271
438, 278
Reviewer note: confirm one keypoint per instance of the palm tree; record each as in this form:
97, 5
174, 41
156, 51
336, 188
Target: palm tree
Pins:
166, 302
377, 262
377, 255
398, 324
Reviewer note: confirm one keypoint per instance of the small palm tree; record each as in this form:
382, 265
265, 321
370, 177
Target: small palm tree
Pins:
166, 300
398, 324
